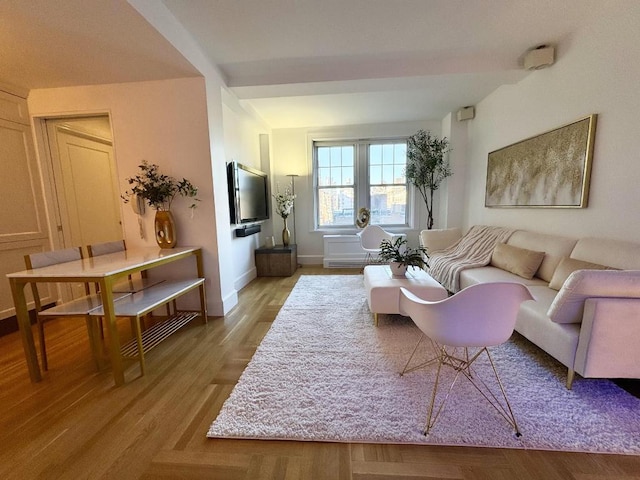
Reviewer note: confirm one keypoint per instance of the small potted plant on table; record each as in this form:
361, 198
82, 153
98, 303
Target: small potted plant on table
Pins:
400, 256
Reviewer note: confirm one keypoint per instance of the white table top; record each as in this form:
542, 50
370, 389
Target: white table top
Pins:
106, 265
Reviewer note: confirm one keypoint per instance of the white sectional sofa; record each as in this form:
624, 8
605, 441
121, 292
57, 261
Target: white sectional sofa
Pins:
586, 307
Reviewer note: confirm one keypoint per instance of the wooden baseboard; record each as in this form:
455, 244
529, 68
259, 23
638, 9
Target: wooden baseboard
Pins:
10, 324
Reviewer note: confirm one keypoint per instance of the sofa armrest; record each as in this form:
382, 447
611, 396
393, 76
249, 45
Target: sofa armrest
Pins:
568, 306
609, 339
439, 239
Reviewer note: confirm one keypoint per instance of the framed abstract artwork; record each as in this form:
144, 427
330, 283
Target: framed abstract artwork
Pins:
552, 169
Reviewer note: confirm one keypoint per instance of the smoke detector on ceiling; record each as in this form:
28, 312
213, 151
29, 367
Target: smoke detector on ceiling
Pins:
540, 57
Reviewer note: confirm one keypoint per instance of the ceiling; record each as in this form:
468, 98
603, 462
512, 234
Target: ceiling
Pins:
298, 63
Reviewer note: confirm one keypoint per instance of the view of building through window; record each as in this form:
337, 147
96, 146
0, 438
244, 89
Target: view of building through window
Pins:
350, 175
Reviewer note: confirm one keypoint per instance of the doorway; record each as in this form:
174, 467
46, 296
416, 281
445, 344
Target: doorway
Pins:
85, 193
85, 180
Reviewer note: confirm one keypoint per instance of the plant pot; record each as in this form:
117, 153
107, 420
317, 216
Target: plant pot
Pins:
398, 269
165, 229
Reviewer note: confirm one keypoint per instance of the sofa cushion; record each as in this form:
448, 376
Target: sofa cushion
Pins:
520, 261
554, 246
613, 253
560, 340
568, 306
488, 274
569, 265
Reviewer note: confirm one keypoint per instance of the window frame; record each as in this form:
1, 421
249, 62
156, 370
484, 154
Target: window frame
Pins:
362, 186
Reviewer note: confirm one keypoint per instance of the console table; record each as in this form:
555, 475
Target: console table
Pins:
279, 261
105, 270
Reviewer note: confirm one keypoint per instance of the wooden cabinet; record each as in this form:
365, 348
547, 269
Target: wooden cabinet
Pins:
279, 261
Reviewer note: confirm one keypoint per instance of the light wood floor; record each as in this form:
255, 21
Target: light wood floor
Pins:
75, 424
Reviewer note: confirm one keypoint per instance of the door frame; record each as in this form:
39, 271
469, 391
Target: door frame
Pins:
45, 164
45, 161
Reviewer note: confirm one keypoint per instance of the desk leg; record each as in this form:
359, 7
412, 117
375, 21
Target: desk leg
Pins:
22, 315
106, 287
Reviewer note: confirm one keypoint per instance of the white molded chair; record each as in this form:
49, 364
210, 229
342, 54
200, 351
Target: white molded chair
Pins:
461, 328
370, 238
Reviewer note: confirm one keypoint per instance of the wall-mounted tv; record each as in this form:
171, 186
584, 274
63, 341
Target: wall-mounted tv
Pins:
248, 193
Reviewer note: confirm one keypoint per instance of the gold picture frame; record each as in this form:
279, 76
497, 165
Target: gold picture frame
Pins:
550, 170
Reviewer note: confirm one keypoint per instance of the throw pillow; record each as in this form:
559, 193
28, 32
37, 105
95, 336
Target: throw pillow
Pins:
520, 261
569, 265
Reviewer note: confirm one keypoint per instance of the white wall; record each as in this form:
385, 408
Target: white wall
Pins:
242, 137
452, 191
596, 71
292, 154
157, 14
163, 122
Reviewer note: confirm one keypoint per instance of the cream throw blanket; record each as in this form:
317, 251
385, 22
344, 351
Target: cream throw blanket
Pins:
472, 250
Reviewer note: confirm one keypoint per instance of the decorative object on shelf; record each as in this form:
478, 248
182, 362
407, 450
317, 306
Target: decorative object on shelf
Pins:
427, 166
159, 191
284, 206
400, 256
364, 215
165, 229
552, 169
286, 235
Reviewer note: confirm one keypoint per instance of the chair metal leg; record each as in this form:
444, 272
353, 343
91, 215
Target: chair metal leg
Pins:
426, 363
367, 261
443, 359
462, 365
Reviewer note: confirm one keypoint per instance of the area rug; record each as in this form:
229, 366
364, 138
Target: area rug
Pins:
324, 372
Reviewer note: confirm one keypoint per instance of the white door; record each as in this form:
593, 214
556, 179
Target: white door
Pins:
86, 184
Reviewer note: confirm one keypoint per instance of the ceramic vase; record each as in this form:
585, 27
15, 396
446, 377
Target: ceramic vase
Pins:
285, 233
398, 269
165, 229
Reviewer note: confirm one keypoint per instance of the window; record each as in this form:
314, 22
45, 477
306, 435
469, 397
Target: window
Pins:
350, 175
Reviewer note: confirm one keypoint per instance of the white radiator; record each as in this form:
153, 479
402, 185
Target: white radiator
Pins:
342, 251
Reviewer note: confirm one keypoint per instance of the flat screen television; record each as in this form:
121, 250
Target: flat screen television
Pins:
248, 193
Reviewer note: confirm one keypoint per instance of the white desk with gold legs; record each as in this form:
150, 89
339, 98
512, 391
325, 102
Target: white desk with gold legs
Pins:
104, 270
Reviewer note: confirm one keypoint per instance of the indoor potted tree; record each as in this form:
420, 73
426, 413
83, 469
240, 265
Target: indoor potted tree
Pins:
400, 256
158, 191
427, 166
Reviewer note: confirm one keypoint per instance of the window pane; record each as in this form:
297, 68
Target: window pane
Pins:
387, 175
387, 154
348, 156
375, 154
323, 157
388, 205
336, 156
335, 206
400, 151
347, 176
375, 174
324, 177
